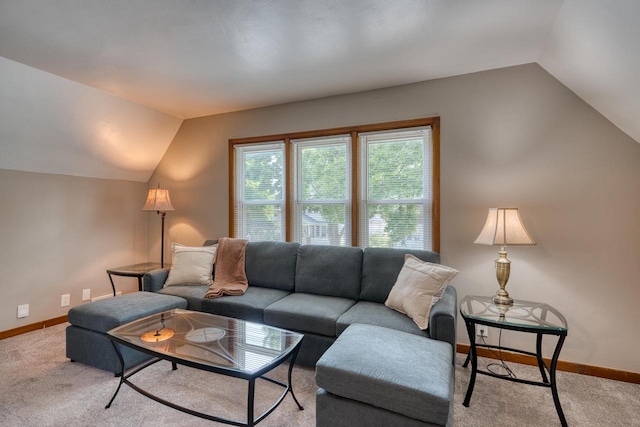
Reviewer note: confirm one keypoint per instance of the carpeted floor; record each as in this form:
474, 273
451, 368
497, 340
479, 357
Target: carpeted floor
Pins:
40, 387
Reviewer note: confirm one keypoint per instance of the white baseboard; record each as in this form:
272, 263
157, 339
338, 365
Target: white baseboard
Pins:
94, 299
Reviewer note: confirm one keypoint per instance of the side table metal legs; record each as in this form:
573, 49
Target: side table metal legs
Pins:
541, 364
552, 375
550, 382
112, 285
473, 355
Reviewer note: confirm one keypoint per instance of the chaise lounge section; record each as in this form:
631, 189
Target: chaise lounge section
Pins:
374, 376
87, 340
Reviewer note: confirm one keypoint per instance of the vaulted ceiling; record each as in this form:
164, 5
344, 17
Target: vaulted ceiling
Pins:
99, 88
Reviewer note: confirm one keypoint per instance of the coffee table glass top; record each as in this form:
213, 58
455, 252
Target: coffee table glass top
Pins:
209, 340
526, 314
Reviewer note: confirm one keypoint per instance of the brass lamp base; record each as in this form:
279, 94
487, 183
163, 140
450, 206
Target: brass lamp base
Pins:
502, 300
503, 268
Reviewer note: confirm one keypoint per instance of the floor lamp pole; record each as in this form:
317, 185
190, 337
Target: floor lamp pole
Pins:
162, 248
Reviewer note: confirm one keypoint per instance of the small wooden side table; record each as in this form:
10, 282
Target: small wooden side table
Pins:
524, 316
135, 270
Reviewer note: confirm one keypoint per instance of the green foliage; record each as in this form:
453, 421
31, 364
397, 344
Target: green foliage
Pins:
263, 175
394, 172
324, 177
271, 339
263, 182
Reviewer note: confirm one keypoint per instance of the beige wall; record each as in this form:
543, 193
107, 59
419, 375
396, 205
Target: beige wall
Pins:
513, 137
59, 234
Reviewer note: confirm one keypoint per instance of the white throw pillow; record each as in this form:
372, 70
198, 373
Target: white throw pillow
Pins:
191, 265
419, 286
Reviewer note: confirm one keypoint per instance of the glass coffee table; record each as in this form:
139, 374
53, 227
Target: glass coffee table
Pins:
218, 344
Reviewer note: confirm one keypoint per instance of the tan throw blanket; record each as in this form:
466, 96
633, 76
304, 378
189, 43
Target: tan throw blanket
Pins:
230, 277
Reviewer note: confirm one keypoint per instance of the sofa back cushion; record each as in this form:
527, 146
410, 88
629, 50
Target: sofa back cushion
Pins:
380, 269
271, 264
329, 270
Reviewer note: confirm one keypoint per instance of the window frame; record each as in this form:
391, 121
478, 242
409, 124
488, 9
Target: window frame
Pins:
353, 131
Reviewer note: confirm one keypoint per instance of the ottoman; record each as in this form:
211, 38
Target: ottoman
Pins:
375, 376
87, 340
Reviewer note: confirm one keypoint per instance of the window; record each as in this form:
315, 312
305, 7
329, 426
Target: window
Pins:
395, 188
371, 185
259, 193
321, 199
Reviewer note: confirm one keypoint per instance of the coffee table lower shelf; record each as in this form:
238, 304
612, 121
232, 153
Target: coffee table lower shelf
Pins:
251, 421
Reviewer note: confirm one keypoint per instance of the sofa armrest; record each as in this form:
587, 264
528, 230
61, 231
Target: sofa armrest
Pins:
443, 318
154, 279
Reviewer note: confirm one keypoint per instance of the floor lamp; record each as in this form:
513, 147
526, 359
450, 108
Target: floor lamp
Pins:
158, 200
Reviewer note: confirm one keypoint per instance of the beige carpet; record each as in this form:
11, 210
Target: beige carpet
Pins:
40, 387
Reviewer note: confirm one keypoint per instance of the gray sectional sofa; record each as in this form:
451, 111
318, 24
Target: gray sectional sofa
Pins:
319, 291
374, 365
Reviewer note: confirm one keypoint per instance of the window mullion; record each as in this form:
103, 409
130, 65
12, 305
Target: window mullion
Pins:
288, 199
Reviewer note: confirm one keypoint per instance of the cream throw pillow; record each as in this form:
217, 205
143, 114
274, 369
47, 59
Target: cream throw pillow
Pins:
419, 286
191, 265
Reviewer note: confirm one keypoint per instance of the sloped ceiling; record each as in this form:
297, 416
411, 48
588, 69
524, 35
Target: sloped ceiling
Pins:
99, 88
49, 124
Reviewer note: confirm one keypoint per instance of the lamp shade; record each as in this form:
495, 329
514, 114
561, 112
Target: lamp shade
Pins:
504, 227
158, 200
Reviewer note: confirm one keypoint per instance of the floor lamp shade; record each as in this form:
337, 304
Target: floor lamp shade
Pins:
158, 200
503, 227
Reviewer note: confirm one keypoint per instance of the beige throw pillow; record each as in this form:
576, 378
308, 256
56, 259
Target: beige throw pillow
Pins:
419, 286
191, 265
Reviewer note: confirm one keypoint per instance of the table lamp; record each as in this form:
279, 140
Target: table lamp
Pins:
158, 200
503, 227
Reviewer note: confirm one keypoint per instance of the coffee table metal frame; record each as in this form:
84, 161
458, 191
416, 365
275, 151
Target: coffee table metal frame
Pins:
251, 377
533, 321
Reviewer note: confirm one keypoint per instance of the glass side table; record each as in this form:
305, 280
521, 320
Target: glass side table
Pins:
523, 316
135, 270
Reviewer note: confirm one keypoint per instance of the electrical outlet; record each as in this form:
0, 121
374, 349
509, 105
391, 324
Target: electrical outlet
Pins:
86, 294
482, 331
23, 310
65, 301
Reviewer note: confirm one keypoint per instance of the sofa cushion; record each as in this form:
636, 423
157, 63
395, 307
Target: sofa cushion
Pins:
307, 313
248, 306
271, 264
393, 370
419, 286
193, 294
380, 269
191, 265
373, 313
101, 316
329, 270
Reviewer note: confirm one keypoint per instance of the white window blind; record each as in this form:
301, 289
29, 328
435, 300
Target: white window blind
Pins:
396, 189
259, 202
322, 200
